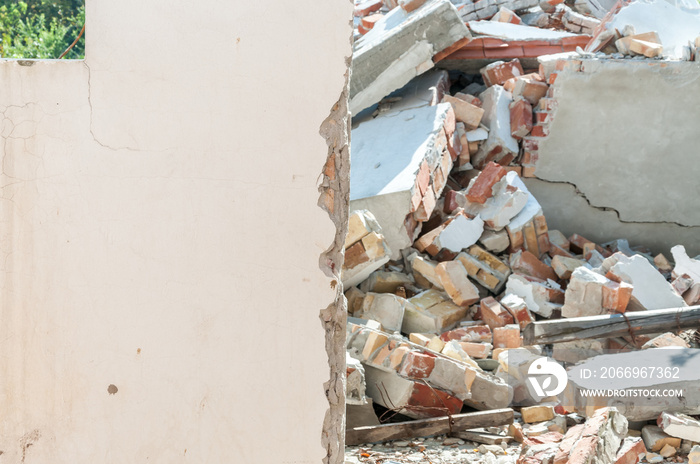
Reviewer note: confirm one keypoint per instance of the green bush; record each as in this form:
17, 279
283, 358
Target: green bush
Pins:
41, 29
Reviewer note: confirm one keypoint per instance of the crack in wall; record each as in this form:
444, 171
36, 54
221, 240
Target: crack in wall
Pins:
582, 195
92, 132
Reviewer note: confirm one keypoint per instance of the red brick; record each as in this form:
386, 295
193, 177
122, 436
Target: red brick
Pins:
616, 296
476, 350
367, 7
493, 314
547, 104
423, 177
451, 201
526, 263
577, 243
506, 337
520, 118
410, 5
427, 205
540, 130
504, 52
455, 47
431, 402
481, 190
355, 255
417, 365
454, 146
369, 21
475, 333
500, 72
535, 51
450, 123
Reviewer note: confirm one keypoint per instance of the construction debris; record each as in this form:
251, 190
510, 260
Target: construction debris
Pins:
461, 297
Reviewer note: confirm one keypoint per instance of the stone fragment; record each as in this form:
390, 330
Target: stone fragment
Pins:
452, 376
655, 438
484, 268
524, 262
518, 309
454, 279
595, 441
473, 333
541, 297
531, 89
386, 282
684, 264
694, 455
664, 340
365, 248
431, 311
417, 365
648, 49
465, 112
413, 399
500, 147
495, 241
520, 118
480, 188
493, 314
563, 266
630, 450
532, 414
507, 336
651, 290
385, 308
499, 72
679, 426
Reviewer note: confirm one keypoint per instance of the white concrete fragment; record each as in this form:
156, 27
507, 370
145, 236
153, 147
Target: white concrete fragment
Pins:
461, 233
685, 264
504, 205
496, 104
386, 156
386, 308
536, 295
584, 294
680, 426
651, 290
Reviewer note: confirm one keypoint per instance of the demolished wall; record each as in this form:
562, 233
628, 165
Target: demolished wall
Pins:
619, 155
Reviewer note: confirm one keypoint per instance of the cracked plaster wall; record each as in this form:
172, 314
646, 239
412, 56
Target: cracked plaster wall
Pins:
621, 155
160, 237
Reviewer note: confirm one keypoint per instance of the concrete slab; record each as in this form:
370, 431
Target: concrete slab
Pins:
390, 55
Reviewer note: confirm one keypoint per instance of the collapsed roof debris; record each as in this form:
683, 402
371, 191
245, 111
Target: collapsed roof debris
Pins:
456, 285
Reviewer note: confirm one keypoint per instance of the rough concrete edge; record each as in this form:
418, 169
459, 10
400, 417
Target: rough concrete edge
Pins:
335, 199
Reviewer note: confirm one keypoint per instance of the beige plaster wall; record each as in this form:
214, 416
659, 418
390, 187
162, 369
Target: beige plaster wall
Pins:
159, 232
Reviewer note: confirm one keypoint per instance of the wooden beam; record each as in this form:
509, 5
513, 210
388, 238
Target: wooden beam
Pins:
609, 326
428, 427
482, 437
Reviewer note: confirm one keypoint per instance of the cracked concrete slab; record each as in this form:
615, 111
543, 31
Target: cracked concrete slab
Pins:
635, 152
566, 210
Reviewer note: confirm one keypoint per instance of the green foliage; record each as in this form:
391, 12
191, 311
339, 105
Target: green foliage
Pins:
41, 29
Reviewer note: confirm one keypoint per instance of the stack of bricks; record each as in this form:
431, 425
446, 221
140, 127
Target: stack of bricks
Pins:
365, 248
415, 378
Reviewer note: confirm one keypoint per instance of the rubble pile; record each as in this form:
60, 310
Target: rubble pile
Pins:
449, 259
